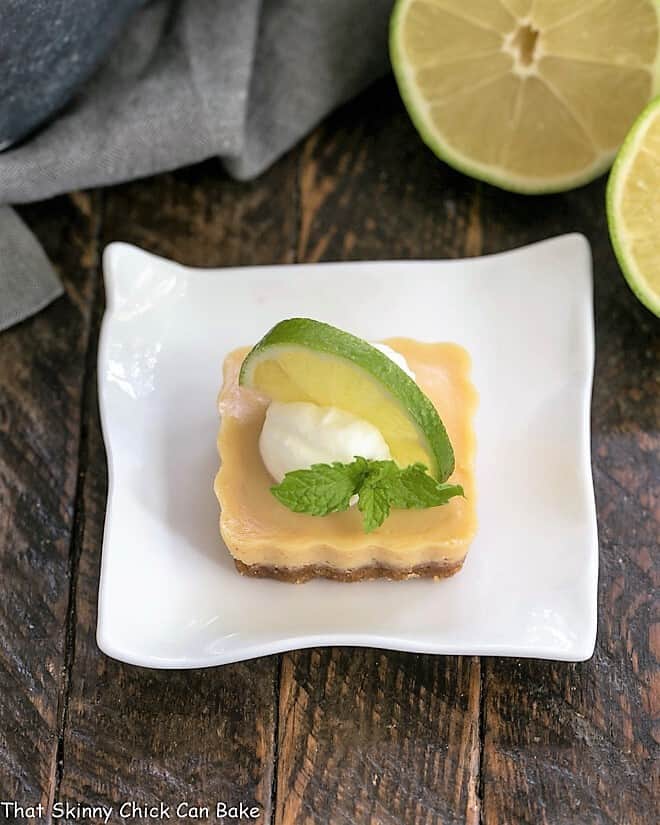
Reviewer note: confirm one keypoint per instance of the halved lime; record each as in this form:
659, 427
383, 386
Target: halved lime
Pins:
530, 95
305, 360
633, 207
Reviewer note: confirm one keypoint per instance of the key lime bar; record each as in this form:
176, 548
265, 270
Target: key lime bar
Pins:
266, 538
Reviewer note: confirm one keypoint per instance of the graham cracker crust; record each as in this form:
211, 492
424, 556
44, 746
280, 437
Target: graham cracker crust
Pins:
299, 575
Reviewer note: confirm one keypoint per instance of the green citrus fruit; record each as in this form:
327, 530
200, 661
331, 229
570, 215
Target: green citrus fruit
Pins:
530, 95
633, 207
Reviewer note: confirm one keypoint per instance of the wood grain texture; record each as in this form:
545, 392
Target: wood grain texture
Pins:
375, 736
370, 190
152, 736
41, 380
200, 217
574, 743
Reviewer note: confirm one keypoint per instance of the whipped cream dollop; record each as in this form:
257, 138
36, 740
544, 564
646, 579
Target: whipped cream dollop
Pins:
298, 434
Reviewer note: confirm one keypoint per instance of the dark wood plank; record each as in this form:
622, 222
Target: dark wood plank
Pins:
200, 217
42, 363
152, 736
370, 190
574, 743
376, 736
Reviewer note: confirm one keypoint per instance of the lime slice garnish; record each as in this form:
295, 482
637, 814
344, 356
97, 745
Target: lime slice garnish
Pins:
305, 360
531, 95
633, 207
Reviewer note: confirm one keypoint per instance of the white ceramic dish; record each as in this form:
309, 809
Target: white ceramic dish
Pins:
170, 595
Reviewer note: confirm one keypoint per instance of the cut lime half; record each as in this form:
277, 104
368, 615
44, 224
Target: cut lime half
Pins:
633, 207
530, 95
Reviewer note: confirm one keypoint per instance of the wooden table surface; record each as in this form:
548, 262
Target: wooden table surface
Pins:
337, 735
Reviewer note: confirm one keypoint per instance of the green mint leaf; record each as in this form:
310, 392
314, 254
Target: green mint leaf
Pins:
379, 485
322, 489
375, 493
414, 488
374, 504
357, 471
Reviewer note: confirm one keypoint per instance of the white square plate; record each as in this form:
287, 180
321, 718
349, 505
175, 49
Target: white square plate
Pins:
170, 595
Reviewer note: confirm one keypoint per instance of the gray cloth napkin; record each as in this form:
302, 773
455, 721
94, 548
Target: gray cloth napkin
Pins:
28, 282
185, 81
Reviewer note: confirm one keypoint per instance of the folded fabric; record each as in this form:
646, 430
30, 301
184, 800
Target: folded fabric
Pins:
27, 279
48, 50
189, 80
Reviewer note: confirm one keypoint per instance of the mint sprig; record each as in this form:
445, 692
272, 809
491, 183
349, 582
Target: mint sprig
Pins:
379, 485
